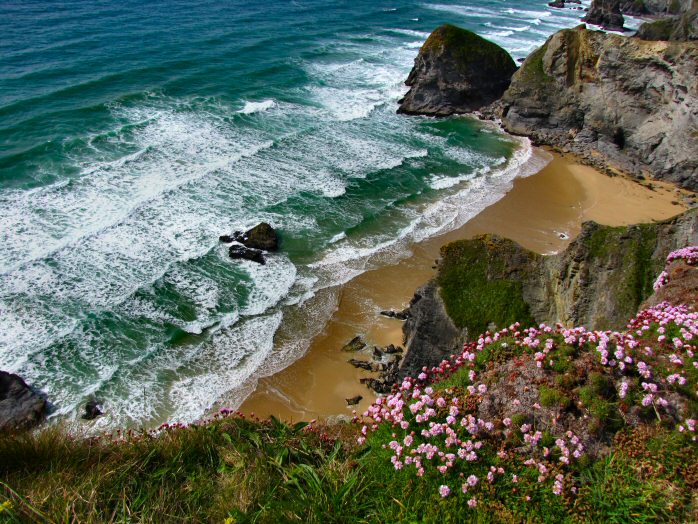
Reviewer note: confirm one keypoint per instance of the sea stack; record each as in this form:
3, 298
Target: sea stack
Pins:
456, 71
607, 14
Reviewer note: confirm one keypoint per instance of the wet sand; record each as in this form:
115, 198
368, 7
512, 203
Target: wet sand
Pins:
543, 212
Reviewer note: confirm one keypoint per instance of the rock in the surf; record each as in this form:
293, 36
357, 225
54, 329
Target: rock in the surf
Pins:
237, 252
456, 71
93, 409
20, 406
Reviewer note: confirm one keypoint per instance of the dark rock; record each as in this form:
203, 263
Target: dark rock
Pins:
237, 251
377, 353
379, 386
262, 236
362, 364
430, 334
20, 406
392, 349
605, 13
456, 71
353, 401
400, 315
355, 344
93, 409
557, 3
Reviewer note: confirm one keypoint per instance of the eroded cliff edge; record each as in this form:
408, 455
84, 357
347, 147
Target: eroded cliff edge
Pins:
620, 103
599, 282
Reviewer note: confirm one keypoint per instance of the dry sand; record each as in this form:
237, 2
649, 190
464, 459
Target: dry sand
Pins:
543, 212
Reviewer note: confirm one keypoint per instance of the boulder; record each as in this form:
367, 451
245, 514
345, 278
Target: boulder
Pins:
262, 236
456, 71
353, 401
237, 251
557, 3
355, 344
93, 409
20, 406
607, 14
363, 364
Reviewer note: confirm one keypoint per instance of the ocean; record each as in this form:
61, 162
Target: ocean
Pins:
133, 134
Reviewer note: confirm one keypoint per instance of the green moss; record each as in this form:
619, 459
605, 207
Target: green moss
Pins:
629, 251
468, 47
532, 71
553, 398
475, 286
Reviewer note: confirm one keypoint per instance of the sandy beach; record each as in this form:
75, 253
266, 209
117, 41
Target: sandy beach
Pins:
543, 212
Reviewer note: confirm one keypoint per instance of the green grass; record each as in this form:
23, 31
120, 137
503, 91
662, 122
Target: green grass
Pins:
475, 288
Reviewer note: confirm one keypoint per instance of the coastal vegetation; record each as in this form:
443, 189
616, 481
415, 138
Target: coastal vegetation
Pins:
545, 423
586, 421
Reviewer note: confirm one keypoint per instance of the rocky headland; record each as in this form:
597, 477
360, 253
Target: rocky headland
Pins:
620, 103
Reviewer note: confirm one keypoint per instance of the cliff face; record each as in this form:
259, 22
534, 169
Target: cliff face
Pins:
681, 28
456, 71
657, 7
618, 102
599, 281
20, 406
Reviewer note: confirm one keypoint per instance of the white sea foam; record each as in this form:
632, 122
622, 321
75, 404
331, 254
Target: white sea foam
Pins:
257, 107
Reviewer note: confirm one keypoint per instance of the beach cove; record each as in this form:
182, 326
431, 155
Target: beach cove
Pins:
542, 212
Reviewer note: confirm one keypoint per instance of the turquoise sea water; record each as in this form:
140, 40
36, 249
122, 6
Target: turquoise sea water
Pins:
133, 134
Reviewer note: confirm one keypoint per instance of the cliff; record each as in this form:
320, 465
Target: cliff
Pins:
682, 28
620, 103
657, 7
456, 71
598, 282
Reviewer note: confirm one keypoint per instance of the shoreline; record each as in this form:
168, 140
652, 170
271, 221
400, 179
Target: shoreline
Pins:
543, 212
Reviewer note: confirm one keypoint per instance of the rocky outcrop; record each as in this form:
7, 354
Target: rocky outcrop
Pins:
262, 236
605, 13
252, 244
430, 334
238, 252
682, 28
600, 281
620, 103
20, 406
456, 71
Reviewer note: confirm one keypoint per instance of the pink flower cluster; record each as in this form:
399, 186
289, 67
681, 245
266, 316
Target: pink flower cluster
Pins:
688, 254
436, 432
